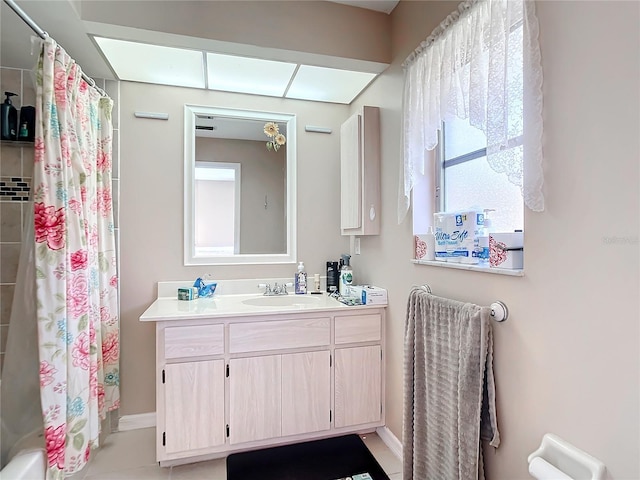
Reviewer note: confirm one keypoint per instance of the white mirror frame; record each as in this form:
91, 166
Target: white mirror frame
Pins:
190, 258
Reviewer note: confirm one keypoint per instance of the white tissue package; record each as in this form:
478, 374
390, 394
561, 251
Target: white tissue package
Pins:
457, 235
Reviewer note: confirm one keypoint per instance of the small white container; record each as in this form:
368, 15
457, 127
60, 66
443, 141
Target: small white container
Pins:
430, 241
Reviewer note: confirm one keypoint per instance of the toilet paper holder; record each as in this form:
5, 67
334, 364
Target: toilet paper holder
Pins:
568, 459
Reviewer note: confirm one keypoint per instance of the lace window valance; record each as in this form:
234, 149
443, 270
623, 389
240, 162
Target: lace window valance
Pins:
481, 63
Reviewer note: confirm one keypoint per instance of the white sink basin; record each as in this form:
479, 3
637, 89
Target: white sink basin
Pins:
283, 300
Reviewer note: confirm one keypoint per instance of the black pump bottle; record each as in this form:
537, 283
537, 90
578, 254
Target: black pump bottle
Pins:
9, 118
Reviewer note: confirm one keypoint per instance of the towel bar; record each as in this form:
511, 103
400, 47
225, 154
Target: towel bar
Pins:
499, 310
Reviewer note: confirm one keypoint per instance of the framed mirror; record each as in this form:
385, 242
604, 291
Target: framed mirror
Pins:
239, 186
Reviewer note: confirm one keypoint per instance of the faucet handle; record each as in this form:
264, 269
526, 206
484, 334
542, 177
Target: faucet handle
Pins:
267, 288
284, 287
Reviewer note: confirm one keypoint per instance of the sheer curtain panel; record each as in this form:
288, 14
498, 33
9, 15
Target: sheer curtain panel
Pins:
481, 63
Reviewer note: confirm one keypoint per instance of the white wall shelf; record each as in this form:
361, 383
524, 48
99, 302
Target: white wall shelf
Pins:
475, 268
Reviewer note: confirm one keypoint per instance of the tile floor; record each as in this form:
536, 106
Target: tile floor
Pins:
130, 455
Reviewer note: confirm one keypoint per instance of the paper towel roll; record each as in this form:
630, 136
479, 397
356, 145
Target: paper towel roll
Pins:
543, 470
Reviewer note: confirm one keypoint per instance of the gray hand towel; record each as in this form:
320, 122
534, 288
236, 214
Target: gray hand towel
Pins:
449, 389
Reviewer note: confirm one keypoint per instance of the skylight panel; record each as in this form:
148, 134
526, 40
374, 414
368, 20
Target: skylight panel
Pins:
328, 84
248, 75
143, 62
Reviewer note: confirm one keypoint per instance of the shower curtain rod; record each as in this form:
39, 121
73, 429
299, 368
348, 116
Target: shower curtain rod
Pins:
42, 34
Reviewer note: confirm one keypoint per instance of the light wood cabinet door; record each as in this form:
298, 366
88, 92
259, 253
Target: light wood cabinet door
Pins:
194, 405
306, 392
255, 406
358, 395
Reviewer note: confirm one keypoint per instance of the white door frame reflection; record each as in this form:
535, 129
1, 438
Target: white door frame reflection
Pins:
217, 208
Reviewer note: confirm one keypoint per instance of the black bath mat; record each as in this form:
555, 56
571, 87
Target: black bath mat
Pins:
327, 459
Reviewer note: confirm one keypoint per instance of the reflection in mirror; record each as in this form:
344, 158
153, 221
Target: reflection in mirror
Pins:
239, 189
217, 191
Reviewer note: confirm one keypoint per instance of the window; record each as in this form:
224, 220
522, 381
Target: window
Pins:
466, 91
466, 180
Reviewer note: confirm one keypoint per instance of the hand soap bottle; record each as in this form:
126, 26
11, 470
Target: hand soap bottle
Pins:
483, 239
301, 280
9, 118
346, 275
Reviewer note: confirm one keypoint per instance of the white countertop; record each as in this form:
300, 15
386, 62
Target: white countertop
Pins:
170, 308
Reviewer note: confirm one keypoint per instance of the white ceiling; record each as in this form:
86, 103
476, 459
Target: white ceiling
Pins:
385, 6
233, 128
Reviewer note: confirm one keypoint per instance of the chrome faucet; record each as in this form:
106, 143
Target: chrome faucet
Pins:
280, 289
276, 290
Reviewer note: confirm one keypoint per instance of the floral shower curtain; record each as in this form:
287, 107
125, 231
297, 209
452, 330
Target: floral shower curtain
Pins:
76, 280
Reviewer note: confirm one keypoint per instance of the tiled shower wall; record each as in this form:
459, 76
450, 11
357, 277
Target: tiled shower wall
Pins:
16, 168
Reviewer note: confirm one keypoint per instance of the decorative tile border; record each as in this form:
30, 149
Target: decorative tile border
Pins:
14, 189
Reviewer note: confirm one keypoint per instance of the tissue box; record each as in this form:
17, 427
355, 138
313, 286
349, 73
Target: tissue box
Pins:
424, 247
188, 293
506, 250
368, 294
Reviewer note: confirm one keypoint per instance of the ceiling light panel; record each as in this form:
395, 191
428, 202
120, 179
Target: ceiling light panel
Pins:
328, 84
142, 62
248, 75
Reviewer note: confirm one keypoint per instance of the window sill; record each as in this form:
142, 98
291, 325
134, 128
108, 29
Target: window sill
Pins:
475, 268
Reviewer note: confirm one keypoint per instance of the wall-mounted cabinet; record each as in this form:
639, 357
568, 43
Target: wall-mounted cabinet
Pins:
360, 173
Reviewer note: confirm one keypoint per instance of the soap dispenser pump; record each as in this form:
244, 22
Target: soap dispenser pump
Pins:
9, 118
346, 275
483, 239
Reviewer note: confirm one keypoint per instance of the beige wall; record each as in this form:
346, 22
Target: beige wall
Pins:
263, 174
567, 360
152, 213
311, 26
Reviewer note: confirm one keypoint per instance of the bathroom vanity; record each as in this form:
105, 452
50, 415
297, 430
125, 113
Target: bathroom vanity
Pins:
238, 372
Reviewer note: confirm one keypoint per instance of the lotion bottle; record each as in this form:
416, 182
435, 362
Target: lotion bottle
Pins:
346, 275
301, 280
430, 240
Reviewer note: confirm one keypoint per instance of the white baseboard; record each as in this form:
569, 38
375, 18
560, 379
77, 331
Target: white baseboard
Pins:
390, 440
134, 422
148, 420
